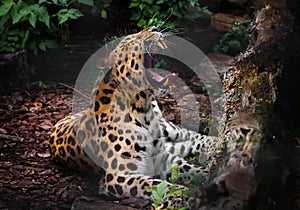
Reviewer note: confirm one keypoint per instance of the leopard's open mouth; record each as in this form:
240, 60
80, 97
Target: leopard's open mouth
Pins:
157, 80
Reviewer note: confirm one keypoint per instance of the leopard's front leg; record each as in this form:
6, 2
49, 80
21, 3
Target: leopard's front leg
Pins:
183, 142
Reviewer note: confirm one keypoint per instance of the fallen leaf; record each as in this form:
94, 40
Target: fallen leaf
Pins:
170, 116
45, 127
3, 131
44, 155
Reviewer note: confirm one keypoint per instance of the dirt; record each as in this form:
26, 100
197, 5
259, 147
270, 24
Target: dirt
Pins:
29, 178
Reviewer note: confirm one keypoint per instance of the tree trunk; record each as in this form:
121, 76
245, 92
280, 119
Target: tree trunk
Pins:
14, 70
257, 168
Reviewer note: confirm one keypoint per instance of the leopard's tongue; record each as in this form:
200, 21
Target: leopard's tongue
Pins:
160, 78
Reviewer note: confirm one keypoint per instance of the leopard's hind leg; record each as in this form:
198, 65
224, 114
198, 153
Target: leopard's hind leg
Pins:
122, 186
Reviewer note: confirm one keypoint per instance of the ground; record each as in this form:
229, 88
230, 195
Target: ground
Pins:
29, 178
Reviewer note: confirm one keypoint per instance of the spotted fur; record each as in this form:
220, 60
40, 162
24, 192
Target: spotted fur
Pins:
123, 135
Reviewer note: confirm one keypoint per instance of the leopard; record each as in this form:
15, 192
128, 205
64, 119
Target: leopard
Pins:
123, 136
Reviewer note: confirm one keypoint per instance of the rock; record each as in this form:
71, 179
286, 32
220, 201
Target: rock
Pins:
224, 22
221, 62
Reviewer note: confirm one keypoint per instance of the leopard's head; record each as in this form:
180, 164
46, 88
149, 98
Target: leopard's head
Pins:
129, 83
129, 59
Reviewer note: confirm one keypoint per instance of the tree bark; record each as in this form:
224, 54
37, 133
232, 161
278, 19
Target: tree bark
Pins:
256, 165
14, 70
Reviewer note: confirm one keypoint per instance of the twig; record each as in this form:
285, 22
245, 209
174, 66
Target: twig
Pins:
74, 90
10, 137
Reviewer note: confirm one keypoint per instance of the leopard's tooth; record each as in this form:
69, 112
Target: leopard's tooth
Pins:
161, 44
166, 82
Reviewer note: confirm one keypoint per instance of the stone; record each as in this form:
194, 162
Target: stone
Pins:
223, 21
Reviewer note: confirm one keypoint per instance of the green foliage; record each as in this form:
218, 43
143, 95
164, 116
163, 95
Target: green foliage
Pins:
158, 193
100, 7
39, 84
209, 123
161, 64
197, 160
174, 173
64, 14
197, 181
236, 40
164, 189
28, 24
156, 12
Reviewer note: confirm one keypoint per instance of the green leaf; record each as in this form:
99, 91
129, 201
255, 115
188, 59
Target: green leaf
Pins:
160, 1
136, 15
148, 1
33, 46
4, 19
39, 83
62, 18
42, 1
192, 3
14, 13
13, 32
142, 6
25, 39
134, 4
47, 44
103, 14
74, 13
225, 48
42, 46
44, 16
14, 10
174, 169
62, 11
151, 21
180, 4
142, 23
87, 2
16, 18
155, 205
13, 38
32, 20
153, 9
28, 9
63, 2
176, 191
161, 188
156, 197
50, 43
4, 9
234, 43
205, 11
64, 14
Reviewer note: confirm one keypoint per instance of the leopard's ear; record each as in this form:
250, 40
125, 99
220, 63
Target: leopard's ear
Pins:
144, 30
149, 29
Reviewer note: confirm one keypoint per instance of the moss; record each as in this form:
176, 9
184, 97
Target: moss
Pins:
255, 88
255, 81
